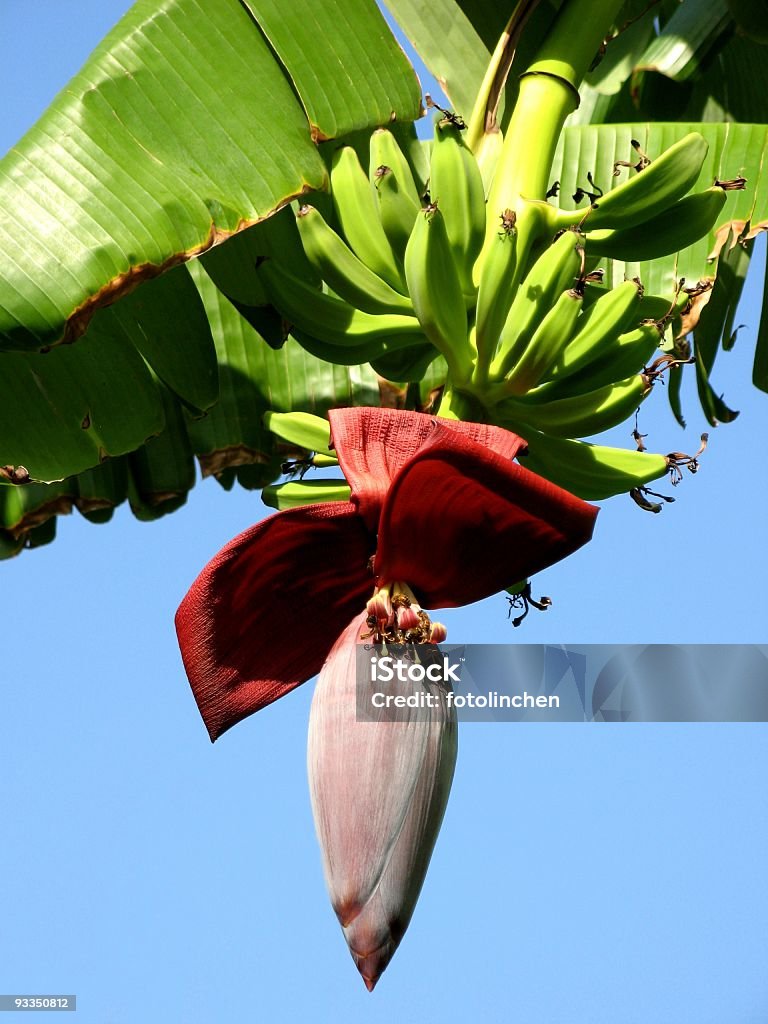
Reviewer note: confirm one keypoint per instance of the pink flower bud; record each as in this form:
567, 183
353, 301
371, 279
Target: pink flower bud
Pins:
438, 633
379, 608
407, 618
379, 790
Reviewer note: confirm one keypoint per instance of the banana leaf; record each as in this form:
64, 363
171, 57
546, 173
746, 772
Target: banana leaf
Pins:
187, 124
230, 440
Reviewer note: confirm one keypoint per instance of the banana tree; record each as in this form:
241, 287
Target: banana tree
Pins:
136, 332
189, 270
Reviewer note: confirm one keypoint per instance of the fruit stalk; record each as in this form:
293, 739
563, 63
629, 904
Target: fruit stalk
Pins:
548, 94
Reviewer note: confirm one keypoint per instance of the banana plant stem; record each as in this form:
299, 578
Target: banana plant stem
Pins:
548, 94
458, 404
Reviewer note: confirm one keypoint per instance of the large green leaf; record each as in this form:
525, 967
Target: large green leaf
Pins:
70, 408
313, 39
255, 378
181, 129
230, 441
688, 39
67, 410
166, 320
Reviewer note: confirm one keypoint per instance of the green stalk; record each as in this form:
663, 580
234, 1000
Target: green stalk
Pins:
458, 404
548, 94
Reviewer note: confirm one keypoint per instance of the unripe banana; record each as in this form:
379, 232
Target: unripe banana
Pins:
357, 210
408, 365
394, 189
549, 339
433, 284
679, 226
326, 317
577, 415
338, 266
351, 354
456, 185
590, 471
305, 492
494, 294
601, 324
302, 429
554, 271
616, 359
649, 192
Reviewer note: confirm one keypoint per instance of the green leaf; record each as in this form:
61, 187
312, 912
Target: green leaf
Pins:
760, 366
621, 55
312, 39
688, 40
449, 44
230, 440
67, 410
162, 471
181, 129
715, 326
255, 379
166, 321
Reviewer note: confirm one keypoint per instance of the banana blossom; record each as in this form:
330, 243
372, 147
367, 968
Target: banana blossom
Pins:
440, 516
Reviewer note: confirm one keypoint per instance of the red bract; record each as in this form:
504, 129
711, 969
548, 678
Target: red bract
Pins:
439, 504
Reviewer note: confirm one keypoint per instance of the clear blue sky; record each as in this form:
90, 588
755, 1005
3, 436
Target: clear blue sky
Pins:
584, 874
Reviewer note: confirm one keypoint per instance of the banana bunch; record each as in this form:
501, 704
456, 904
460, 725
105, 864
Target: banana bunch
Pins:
396, 263
411, 271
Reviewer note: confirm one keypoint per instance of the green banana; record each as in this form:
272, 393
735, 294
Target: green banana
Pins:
433, 284
497, 277
605, 319
656, 307
577, 415
408, 365
548, 341
456, 185
613, 312
554, 271
338, 266
356, 354
649, 192
357, 210
302, 429
394, 189
618, 358
305, 492
326, 317
590, 471
682, 224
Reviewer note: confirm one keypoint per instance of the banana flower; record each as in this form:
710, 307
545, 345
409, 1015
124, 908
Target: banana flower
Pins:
439, 516
436, 504
379, 791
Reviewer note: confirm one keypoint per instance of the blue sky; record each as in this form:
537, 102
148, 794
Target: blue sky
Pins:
585, 875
